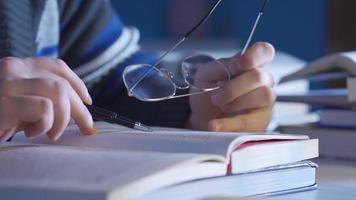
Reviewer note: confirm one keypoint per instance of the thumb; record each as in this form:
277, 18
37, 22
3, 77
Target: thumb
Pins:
258, 55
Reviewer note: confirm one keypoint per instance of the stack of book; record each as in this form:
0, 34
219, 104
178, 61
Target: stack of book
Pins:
334, 106
120, 163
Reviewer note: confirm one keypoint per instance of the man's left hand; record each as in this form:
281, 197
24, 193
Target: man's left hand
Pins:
245, 102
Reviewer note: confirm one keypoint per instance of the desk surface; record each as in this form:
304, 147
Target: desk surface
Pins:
336, 180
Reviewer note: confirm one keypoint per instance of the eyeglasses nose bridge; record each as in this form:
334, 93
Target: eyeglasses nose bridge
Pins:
167, 73
170, 75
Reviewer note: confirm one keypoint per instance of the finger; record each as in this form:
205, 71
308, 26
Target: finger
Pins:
261, 97
56, 91
10, 66
6, 135
62, 108
241, 85
79, 111
255, 121
60, 68
81, 114
66, 101
259, 55
35, 114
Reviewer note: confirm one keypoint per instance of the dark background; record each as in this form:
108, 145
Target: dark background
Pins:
305, 28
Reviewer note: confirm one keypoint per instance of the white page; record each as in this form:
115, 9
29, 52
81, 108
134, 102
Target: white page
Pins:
344, 61
88, 170
161, 139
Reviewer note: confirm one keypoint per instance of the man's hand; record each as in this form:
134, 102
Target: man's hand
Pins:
245, 102
39, 95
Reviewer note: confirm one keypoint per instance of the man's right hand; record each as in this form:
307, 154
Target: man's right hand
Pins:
41, 95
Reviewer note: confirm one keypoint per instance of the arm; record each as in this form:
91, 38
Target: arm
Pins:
40, 95
243, 104
107, 89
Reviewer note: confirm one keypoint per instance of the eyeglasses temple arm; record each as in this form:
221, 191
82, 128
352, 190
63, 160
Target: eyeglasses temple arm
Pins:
254, 27
168, 52
202, 21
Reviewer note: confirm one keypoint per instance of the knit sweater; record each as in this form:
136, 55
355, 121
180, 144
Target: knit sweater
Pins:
92, 39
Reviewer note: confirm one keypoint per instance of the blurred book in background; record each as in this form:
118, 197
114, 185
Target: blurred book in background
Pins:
334, 106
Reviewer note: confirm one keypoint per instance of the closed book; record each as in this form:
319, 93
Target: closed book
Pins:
339, 66
334, 142
337, 118
336, 98
351, 86
264, 182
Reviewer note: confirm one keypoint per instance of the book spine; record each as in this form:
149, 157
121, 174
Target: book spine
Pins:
351, 86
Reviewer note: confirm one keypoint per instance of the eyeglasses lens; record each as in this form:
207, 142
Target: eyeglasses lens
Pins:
153, 84
204, 72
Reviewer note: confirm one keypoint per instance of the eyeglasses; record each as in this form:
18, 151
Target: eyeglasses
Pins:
202, 73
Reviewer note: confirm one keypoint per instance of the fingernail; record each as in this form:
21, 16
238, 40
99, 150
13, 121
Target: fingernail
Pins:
56, 137
89, 99
89, 131
93, 127
263, 51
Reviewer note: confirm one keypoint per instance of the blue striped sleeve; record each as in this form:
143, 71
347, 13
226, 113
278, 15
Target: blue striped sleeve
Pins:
110, 33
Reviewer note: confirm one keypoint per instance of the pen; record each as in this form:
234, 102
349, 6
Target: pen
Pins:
102, 114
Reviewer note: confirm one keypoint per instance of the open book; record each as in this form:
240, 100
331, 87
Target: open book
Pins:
120, 163
338, 66
337, 102
334, 66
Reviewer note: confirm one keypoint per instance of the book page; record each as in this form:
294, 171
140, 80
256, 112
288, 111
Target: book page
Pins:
96, 171
344, 61
161, 139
